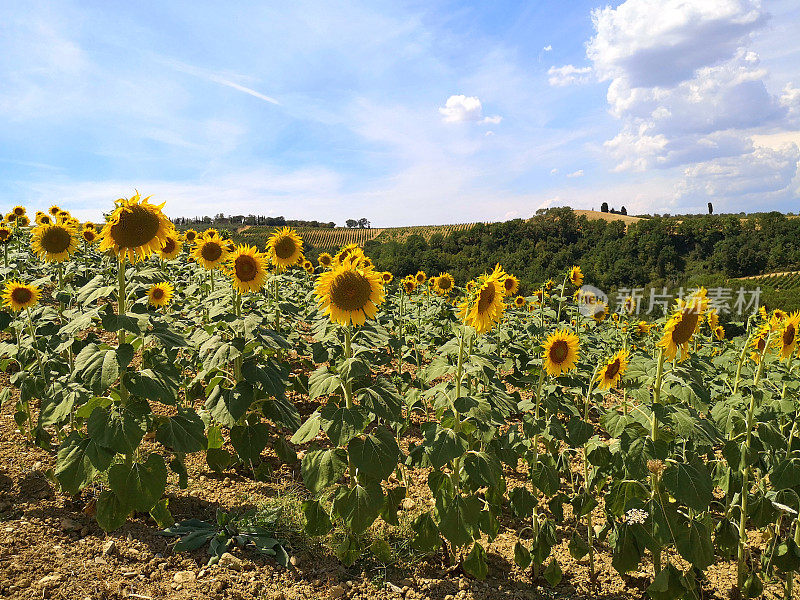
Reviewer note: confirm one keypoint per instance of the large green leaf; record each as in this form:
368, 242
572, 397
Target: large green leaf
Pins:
475, 562
250, 440
183, 432
426, 536
690, 483
458, 518
111, 511
342, 424
375, 456
785, 474
443, 445
322, 468
118, 427
317, 520
693, 541
228, 405
139, 485
359, 506
79, 460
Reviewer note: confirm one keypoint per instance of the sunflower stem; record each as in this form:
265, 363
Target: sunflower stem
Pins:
534, 464
654, 477
589, 524
237, 311
121, 309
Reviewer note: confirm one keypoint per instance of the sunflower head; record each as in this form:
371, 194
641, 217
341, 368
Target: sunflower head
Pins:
346, 252
713, 319
5, 234
284, 247
135, 229
325, 260
19, 210
629, 305
682, 325
519, 302
560, 352
20, 296
308, 267
787, 340
576, 276
610, 373
247, 268
210, 232
643, 328
190, 236
409, 285
23, 220
11, 217
160, 294
386, 277
54, 243
43, 219
759, 343
599, 311
89, 236
210, 251
510, 285
349, 293
719, 332
171, 247
90, 225
54, 210
483, 307
444, 284
420, 277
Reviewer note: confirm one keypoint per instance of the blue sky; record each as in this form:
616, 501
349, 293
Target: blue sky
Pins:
404, 113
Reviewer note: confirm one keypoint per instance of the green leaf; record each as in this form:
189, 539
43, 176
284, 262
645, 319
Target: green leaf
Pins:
227, 405
308, 430
627, 553
482, 469
753, 587
322, 468
250, 440
522, 502
79, 460
458, 517
269, 375
785, 474
111, 512
376, 456
578, 548
161, 515
426, 535
119, 428
693, 541
522, 556
666, 585
394, 496
578, 432
140, 485
690, 483
152, 385
218, 459
96, 367
317, 520
475, 563
382, 399
342, 424
183, 432
322, 382
124, 355
443, 445
359, 506
787, 556
622, 493
553, 573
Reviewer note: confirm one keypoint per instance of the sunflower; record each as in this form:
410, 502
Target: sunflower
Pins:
19, 210
190, 235
54, 243
444, 284
548, 285
759, 343
160, 294
409, 285
54, 210
629, 305
230, 246
643, 327
599, 311
43, 219
19, 296
681, 326
89, 225
346, 252
519, 302
484, 307
609, 375
560, 352
11, 217
350, 294
89, 236
210, 252
470, 286
210, 232
63, 216
325, 260
386, 277
308, 266
135, 229
511, 285
247, 269
420, 277
540, 295
719, 332
713, 319
284, 247
171, 247
576, 276
5, 234
23, 220
788, 335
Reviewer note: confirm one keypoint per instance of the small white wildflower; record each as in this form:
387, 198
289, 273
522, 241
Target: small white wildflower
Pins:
636, 516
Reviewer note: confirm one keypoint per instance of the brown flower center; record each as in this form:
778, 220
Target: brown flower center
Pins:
613, 368
559, 351
56, 240
169, 246
137, 226
445, 283
21, 295
246, 268
789, 334
211, 251
685, 327
350, 291
486, 298
285, 247
158, 294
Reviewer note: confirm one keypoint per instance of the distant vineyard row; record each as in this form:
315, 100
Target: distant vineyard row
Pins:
333, 239
788, 280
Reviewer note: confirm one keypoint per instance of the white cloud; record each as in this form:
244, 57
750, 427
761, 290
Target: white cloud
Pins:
553, 171
574, 174
568, 75
460, 108
548, 48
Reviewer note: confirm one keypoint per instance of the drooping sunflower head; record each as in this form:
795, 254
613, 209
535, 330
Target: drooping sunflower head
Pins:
23, 220
5, 234
247, 269
719, 332
54, 210
347, 251
190, 235
89, 236
444, 284
386, 277
19, 210
171, 248
788, 335
20, 296
135, 229
713, 319
548, 285
409, 285
519, 302
160, 294
210, 252
540, 295
762, 312
325, 260
560, 352
54, 243
629, 305
349, 293
576, 276
599, 311
484, 306
510, 285
284, 247
609, 374
682, 325
759, 343
420, 277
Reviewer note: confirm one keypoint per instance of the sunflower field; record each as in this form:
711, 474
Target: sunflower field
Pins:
663, 448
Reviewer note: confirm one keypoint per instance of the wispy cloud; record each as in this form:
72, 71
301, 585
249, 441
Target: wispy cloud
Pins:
216, 77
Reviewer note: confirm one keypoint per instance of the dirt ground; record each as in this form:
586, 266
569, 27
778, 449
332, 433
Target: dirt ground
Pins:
51, 546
